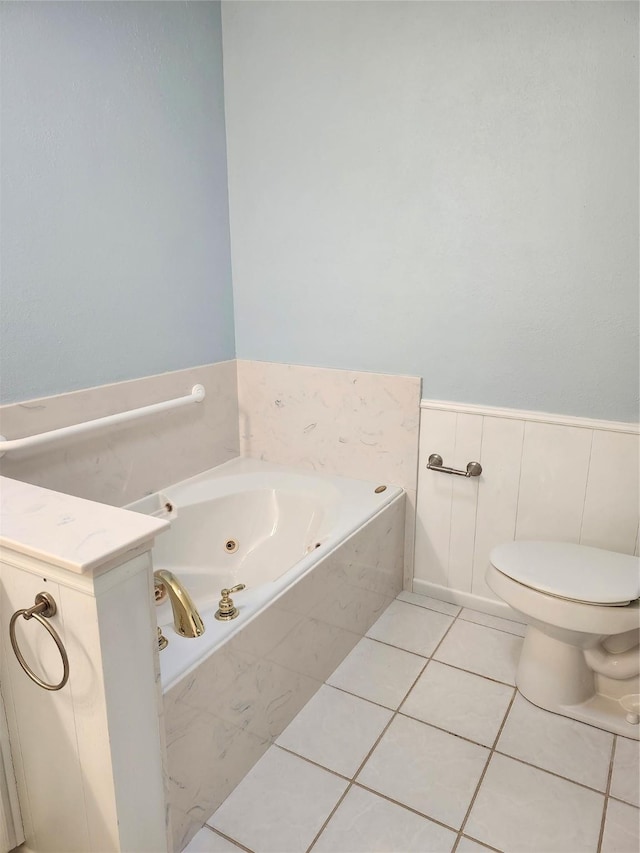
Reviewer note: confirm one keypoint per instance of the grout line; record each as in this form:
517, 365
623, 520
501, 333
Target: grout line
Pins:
504, 720
494, 627
369, 753
440, 729
482, 843
404, 806
492, 749
418, 654
229, 838
457, 615
364, 698
425, 658
329, 816
315, 763
486, 766
395, 712
624, 802
358, 769
399, 648
371, 750
394, 715
471, 672
367, 756
607, 792
461, 608
426, 607
550, 772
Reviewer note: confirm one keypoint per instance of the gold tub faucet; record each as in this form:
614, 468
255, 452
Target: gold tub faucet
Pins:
186, 619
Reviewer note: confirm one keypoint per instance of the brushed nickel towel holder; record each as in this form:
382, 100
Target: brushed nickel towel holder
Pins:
44, 608
434, 463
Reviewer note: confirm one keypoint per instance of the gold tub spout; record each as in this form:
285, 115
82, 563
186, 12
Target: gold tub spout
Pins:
186, 619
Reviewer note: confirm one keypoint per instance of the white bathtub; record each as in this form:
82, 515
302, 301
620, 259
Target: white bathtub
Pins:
283, 523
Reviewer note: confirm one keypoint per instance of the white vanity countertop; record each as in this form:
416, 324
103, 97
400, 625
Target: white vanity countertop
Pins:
66, 531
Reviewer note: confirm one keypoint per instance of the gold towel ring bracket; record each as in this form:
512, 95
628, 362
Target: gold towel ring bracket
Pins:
44, 608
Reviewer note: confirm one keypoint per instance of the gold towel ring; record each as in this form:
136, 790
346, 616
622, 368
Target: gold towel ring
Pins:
43, 609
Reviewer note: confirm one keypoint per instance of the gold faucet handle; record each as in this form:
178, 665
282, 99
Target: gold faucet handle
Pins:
226, 608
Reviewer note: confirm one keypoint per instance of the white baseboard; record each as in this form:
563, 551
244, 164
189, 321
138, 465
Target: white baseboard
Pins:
466, 599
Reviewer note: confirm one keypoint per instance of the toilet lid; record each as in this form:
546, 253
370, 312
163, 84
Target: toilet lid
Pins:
571, 571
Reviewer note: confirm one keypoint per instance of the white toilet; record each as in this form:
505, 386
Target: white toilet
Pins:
580, 656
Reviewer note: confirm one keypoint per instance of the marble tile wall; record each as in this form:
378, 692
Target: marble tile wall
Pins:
223, 716
349, 423
129, 461
565, 479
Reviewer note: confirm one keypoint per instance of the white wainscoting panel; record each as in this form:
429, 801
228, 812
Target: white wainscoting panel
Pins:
553, 482
610, 517
464, 498
498, 498
433, 512
542, 479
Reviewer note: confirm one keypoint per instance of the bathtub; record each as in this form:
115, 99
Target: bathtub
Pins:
321, 557
251, 522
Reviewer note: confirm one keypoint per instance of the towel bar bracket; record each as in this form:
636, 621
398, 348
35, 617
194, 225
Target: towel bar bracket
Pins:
434, 463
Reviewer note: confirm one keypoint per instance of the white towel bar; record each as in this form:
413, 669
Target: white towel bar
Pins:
7, 445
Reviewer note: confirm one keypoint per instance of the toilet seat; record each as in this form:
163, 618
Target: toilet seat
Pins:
574, 572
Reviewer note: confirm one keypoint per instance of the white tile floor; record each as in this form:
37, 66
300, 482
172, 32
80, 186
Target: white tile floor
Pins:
419, 742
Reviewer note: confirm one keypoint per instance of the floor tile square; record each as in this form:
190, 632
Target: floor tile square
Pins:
489, 621
625, 780
459, 702
335, 729
524, 810
429, 603
280, 804
377, 672
621, 829
414, 629
485, 651
431, 771
208, 841
366, 823
558, 744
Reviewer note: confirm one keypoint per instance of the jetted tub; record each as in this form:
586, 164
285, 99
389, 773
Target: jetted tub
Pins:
251, 522
321, 557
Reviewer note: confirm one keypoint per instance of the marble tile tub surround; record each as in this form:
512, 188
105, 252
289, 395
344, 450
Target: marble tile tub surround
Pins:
126, 462
544, 477
451, 759
344, 422
70, 533
354, 424
222, 717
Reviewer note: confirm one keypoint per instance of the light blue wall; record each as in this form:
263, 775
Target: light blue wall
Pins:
446, 189
115, 234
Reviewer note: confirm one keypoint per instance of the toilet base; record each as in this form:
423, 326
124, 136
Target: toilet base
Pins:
554, 675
